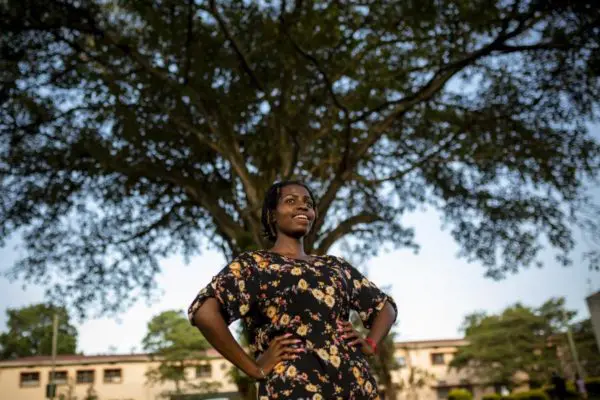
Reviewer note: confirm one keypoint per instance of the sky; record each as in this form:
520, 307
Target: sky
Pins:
434, 290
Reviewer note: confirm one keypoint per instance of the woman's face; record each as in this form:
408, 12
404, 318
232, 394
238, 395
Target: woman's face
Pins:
295, 212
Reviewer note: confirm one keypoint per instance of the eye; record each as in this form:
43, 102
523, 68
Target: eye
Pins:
290, 201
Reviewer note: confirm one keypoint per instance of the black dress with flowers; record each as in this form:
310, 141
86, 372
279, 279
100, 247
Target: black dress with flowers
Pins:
276, 295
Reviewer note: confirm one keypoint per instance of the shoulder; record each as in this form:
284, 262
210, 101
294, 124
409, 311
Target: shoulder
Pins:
336, 260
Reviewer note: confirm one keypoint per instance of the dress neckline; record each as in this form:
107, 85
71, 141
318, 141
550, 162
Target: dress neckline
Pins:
312, 259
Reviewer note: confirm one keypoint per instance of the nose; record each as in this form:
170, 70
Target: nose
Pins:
302, 206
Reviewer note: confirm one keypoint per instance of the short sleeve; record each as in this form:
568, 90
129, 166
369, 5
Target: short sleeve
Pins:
235, 287
365, 297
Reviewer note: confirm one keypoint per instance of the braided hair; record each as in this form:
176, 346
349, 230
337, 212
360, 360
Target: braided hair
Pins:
270, 204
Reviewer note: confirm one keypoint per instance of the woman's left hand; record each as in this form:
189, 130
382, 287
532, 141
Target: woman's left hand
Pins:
349, 333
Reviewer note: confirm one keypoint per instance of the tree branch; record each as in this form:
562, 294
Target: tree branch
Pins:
344, 228
238, 50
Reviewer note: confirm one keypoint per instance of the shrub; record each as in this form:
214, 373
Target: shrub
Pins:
491, 396
592, 386
531, 395
460, 394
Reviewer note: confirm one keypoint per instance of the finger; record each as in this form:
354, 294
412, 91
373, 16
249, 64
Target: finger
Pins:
356, 342
350, 329
293, 350
351, 335
287, 342
289, 357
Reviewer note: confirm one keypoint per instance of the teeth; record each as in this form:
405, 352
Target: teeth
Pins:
301, 217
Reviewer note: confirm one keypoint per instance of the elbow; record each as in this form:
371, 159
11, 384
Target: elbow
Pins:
206, 314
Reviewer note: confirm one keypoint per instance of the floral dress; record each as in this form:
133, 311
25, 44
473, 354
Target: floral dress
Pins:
276, 295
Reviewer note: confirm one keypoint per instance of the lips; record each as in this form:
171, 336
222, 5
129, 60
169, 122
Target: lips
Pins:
301, 217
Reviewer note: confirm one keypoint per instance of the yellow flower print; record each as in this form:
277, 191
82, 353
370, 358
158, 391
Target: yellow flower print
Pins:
263, 264
235, 266
330, 290
311, 388
271, 311
257, 258
242, 285
347, 274
366, 282
302, 330
291, 371
330, 301
368, 387
296, 271
244, 308
335, 360
323, 354
318, 294
285, 319
362, 315
360, 380
356, 372
264, 398
275, 267
279, 368
236, 273
333, 350
317, 396
302, 284
357, 284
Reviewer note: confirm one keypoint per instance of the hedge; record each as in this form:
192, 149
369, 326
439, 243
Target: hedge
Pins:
460, 394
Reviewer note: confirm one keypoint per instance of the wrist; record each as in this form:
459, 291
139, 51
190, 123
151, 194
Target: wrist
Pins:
259, 373
372, 343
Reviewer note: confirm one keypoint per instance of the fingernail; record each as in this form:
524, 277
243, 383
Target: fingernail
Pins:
287, 334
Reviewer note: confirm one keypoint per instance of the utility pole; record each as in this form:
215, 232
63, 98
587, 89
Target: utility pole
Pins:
574, 354
51, 388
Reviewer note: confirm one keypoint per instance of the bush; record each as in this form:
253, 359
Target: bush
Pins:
531, 395
492, 396
460, 394
592, 386
571, 391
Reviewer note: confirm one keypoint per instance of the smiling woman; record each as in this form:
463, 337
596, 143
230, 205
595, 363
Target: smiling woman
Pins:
296, 308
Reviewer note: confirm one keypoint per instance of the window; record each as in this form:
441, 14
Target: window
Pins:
85, 376
437, 358
442, 393
30, 379
401, 361
113, 375
204, 371
60, 377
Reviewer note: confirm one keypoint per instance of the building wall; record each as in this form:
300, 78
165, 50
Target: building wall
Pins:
593, 303
430, 360
133, 385
432, 377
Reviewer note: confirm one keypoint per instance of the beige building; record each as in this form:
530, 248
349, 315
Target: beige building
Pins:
123, 377
425, 372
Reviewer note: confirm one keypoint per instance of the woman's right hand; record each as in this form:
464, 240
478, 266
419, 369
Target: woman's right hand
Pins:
281, 348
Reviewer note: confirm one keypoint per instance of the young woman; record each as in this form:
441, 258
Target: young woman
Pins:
296, 307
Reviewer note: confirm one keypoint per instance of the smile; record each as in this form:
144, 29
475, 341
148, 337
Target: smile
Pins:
301, 218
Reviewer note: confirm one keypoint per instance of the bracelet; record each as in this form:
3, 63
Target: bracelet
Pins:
371, 343
264, 376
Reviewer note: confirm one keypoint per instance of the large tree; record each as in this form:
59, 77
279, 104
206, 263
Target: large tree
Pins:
178, 347
520, 339
131, 130
29, 332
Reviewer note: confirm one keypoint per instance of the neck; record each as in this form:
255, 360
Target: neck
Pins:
289, 246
